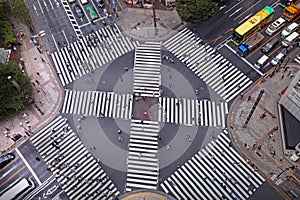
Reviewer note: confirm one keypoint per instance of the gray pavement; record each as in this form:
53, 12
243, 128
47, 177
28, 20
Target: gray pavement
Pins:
260, 140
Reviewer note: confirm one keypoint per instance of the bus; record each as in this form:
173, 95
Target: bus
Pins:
252, 25
19, 190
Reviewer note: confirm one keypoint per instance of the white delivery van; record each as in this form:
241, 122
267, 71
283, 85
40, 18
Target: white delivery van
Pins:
288, 30
261, 62
290, 39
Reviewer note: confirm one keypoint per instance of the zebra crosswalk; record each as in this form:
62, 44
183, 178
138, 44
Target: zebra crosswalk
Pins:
215, 70
142, 161
192, 112
216, 172
147, 69
99, 104
90, 52
76, 170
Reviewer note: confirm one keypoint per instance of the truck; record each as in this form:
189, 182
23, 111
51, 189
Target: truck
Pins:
292, 11
250, 44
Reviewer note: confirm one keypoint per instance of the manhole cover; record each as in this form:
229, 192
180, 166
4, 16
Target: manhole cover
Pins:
202, 88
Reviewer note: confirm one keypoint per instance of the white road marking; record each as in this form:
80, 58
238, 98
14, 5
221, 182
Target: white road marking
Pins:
28, 166
34, 8
245, 18
237, 10
51, 4
65, 36
246, 61
3, 175
54, 42
247, 9
40, 6
233, 7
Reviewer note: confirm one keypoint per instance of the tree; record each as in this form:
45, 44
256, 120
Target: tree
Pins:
6, 30
195, 11
14, 100
20, 12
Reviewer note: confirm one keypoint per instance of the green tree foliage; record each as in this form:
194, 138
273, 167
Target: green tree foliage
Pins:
20, 12
6, 30
12, 100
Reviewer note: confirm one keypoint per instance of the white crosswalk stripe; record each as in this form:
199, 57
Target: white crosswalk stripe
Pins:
192, 112
142, 161
147, 69
215, 70
76, 170
99, 104
216, 172
90, 52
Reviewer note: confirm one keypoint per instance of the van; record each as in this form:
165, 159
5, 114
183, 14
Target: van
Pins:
261, 62
275, 26
278, 58
288, 30
290, 39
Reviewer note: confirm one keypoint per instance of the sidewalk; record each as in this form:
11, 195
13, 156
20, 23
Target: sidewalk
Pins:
139, 24
261, 141
48, 94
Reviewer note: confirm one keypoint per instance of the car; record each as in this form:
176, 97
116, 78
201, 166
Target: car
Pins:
92, 12
71, 1
278, 58
270, 45
100, 3
84, 2
288, 30
78, 11
275, 26
5, 159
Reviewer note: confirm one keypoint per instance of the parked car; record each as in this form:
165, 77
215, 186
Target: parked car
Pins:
100, 3
5, 159
71, 1
278, 58
84, 2
275, 26
92, 12
78, 11
288, 30
270, 45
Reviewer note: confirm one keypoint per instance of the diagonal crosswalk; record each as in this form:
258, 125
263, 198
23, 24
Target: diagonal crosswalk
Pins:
99, 104
215, 70
147, 69
90, 52
76, 170
192, 112
142, 161
216, 172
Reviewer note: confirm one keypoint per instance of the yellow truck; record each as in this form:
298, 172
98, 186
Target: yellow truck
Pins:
292, 11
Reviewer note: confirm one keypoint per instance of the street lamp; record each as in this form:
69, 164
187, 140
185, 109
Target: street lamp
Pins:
10, 78
25, 129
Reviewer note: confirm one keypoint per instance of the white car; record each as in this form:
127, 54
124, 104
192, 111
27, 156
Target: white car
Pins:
275, 26
278, 58
288, 30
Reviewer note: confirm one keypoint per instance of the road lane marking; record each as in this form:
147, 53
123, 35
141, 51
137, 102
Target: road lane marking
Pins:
237, 10
65, 36
233, 7
29, 167
40, 6
55, 42
245, 18
246, 61
3, 183
3, 175
247, 9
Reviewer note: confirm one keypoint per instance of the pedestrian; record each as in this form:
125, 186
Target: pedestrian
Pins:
168, 147
126, 68
120, 139
249, 98
282, 76
119, 131
42, 59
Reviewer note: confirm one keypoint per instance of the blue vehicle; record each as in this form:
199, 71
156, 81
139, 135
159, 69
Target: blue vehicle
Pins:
250, 44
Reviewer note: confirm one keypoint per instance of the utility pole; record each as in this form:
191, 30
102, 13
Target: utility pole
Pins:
253, 108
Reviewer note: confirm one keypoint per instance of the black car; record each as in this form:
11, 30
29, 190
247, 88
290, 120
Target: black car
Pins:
5, 159
270, 45
100, 3
78, 11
